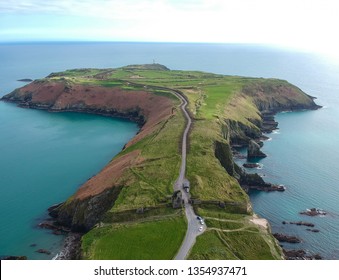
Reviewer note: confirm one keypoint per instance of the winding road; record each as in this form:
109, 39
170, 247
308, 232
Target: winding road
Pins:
192, 221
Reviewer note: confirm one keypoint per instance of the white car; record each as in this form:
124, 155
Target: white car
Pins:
200, 228
201, 222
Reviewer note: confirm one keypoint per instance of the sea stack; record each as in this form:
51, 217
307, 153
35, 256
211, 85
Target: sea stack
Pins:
253, 150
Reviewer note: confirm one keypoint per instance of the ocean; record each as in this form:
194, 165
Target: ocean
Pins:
40, 163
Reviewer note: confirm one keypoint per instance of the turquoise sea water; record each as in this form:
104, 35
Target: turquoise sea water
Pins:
302, 155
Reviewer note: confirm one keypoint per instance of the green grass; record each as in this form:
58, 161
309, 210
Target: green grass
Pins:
151, 180
216, 99
157, 240
227, 225
247, 245
233, 236
250, 243
148, 214
214, 212
209, 246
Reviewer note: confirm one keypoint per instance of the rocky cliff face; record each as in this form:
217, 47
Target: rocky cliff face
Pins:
223, 153
80, 215
268, 97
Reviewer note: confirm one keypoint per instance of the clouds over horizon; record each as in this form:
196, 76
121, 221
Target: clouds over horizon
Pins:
290, 22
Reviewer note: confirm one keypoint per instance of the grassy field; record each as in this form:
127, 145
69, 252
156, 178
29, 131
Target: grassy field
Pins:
237, 245
233, 236
209, 246
213, 100
157, 240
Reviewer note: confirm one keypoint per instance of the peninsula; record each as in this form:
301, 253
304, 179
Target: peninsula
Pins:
134, 208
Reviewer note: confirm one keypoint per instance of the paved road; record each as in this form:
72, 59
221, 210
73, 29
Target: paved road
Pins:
193, 223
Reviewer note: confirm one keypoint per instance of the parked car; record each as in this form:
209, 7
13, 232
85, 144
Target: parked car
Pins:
199, 218
186, 185
200, 228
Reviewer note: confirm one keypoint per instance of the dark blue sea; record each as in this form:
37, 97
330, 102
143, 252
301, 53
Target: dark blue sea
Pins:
44, 157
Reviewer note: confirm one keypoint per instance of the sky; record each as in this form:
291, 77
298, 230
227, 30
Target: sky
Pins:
302, 24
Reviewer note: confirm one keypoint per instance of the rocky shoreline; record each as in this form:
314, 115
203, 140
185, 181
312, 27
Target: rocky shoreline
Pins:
71, 249
255, 182
300, 255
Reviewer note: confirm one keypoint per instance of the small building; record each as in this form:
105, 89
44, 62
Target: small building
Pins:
177, 199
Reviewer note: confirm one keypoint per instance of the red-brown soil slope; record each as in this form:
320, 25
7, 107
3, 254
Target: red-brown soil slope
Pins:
140, 105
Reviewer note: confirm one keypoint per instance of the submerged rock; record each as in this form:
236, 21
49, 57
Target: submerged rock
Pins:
301, 223
43, 251
313, 230
54, 226
300, 255
286, 238
267, 188
251, 165
313, 212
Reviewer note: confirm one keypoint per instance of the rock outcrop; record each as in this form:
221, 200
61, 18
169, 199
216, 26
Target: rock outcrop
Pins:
301, 223
81, 214
313, 212
223, 153
43, 251
253, 150
251, 165
286, 238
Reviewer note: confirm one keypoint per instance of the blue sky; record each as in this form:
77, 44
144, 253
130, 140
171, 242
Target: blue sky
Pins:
306, 24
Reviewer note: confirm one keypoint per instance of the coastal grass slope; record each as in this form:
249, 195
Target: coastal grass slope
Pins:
130, 241
130, 199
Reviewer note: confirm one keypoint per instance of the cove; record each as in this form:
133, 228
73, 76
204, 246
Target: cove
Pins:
44, 158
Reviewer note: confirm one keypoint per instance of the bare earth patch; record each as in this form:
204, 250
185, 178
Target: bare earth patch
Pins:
259, 221
109, 176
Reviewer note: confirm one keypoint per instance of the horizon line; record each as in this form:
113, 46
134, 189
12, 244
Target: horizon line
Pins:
134, 41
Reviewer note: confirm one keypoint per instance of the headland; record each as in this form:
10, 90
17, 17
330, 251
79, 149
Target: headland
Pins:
131, 199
